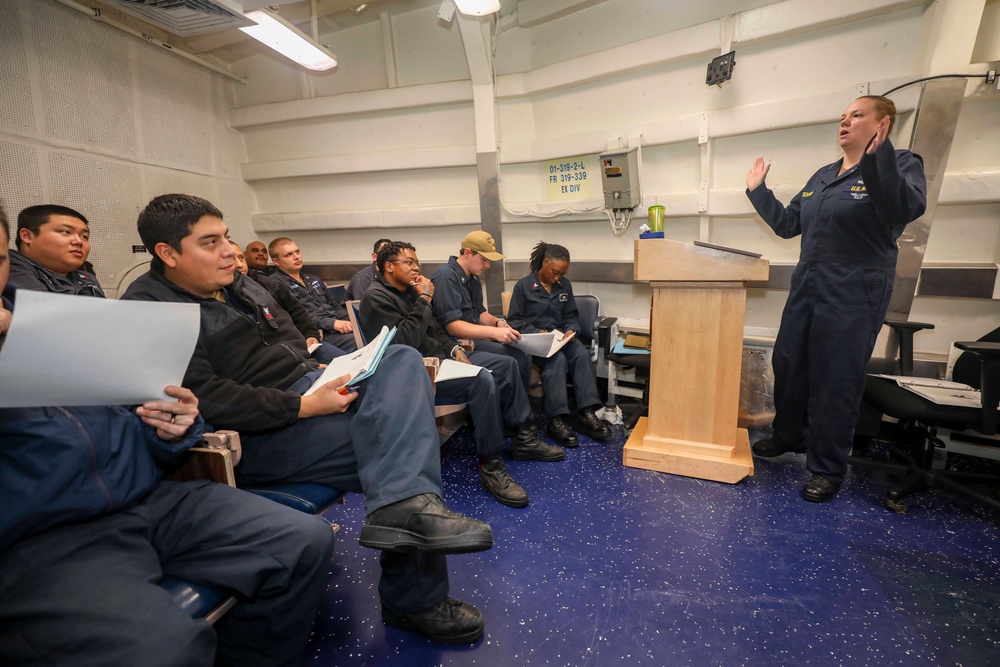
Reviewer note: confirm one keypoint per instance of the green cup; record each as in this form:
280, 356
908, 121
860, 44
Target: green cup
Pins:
656, 218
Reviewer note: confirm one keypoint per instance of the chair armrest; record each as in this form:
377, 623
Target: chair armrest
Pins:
604, 333
904, 332
228, 440
204, 463
989, 356
433, 365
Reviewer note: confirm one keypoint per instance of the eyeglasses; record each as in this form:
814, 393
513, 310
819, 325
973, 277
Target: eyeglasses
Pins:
409, 262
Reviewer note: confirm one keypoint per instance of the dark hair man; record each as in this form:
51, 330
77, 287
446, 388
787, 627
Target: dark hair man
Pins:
327, 315
250, 370
53, 243
394, 301
88, 527
363, 278
256, 258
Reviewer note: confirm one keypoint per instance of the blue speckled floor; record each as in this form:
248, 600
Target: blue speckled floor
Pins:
617, 566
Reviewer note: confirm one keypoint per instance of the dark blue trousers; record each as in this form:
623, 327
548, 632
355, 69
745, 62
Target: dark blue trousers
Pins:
507, 376
572, 360
828, 330
383, 447
523, 360
87, 594
480, 394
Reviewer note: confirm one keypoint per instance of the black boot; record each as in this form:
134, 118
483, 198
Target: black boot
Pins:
493, 477
561, 432
424, 523
526, 447
592, 426
450, 621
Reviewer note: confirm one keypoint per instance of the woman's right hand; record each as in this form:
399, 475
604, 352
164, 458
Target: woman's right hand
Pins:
757, 174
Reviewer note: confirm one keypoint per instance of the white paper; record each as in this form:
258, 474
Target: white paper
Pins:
963, 398
358, 365
454, 370
65, 349
910, 381
541, 344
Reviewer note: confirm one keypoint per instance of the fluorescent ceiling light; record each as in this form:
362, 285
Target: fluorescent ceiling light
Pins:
478, 7
287, 40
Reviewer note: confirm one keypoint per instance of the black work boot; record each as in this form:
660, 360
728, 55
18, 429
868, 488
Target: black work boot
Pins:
450, 621
424, 523
561, 432
526, 447
592, 426
493, 477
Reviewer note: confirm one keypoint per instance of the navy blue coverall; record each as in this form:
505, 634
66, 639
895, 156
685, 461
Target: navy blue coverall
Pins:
532, 309
316, 299
460, 297
839, 295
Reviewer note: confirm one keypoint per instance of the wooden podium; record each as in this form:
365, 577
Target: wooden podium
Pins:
699, 302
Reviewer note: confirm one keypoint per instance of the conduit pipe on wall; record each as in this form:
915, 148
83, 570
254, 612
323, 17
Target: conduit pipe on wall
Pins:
96, 14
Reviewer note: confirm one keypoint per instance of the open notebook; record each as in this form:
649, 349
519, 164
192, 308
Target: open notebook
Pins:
543, 344
358, 365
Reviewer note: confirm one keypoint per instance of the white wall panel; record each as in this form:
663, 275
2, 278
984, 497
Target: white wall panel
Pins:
270, 78
86, 104
797, 65
427, 50
229, 149
161, 181
238, 203
21, 185
362, 133
360, 61
174, 103
86, 79
969, 233
618, 22
109, 193
977, 137
369, 191
15, 84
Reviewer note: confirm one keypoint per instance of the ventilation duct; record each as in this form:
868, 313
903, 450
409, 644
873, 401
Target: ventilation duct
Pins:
187, 17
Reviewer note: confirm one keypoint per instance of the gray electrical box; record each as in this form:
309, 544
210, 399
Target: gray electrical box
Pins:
620, 178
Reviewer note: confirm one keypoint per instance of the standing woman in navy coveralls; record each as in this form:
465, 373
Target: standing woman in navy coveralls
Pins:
543, 301
849, 214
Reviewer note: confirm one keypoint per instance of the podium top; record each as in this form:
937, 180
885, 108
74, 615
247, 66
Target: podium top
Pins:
666, 260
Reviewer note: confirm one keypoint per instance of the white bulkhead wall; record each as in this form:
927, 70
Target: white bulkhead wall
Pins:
388, 149
97, 120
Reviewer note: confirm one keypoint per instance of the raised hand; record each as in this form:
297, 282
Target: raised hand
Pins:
757, 174
880, 135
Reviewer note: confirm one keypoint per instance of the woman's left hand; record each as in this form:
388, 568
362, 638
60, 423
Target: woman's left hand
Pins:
880, 135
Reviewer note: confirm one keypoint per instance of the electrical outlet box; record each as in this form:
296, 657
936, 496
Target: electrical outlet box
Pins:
620, 178
721, 69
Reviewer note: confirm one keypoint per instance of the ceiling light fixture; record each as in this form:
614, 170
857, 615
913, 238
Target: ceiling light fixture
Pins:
360, 8
478, 7
286, 39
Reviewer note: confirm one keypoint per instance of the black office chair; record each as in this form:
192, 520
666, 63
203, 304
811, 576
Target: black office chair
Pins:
920, 421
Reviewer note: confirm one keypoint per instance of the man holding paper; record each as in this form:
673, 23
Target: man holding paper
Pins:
543, 301
400, 297
250, 370
89, 528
